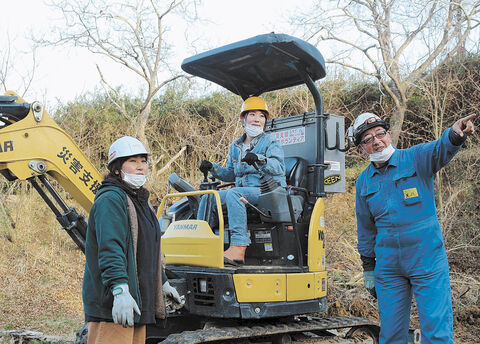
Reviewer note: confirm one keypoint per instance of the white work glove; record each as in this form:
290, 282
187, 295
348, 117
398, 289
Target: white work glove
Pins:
123, 306
171, 292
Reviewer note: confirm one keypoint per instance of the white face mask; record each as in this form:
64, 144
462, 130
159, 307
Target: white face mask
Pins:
252, 130
136, 181
382, 156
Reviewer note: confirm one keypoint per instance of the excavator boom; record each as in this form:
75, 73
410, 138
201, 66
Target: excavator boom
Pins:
32, 147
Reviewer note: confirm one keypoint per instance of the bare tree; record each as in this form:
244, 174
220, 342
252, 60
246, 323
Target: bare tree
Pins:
452, 92
12, 77
398, 42
132, 34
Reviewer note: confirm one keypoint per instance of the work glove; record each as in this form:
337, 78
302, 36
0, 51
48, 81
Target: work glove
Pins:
205, 166
250, 158
369, 282
172, 293
123, 306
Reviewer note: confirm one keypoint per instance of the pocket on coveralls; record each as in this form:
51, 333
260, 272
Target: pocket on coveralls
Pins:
408, 187
376, 203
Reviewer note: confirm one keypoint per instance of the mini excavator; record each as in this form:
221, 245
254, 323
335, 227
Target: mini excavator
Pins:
281, 289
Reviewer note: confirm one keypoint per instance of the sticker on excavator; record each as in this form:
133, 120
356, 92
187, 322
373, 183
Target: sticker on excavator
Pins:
183, 226
290, 136
263, 237
333, 165
332, 179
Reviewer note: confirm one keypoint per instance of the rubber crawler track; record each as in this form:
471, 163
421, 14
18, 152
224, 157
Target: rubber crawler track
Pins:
299, 324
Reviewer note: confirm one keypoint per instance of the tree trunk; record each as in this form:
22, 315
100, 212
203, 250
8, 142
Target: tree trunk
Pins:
142, 124
396, 122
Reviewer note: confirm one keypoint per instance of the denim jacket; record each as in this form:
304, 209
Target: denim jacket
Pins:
266, 147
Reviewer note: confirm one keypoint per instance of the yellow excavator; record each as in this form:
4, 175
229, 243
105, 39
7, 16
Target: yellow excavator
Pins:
281, 290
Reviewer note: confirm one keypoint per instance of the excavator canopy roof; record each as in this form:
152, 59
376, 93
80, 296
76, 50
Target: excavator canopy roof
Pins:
259, 64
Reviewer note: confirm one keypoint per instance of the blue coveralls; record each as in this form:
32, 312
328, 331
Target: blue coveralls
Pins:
247, 182
397, 224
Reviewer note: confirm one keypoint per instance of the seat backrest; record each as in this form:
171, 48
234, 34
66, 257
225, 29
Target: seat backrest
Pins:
296, 171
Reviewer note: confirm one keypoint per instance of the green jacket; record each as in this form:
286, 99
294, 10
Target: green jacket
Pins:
110, 250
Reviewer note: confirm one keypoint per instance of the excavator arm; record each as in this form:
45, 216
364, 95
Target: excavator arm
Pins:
33, 147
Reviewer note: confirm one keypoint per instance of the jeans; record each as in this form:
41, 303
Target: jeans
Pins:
237, 211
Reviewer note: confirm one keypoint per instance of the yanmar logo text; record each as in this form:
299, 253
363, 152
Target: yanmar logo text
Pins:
185, 226
6, 146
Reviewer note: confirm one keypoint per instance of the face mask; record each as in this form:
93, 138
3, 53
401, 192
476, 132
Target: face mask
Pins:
134, 180
252, 130
382, 156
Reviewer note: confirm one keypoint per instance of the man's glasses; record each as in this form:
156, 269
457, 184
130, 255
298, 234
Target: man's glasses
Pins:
369, 139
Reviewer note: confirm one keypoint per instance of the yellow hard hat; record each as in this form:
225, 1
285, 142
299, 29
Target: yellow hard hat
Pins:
254, 103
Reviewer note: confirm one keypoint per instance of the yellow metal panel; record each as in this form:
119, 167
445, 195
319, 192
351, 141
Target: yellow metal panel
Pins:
320, 284
260, 288
300, 286
316, 238
192, 242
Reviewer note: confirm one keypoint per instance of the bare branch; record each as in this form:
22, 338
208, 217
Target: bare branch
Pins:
175, 157
131, 35
11, 77
120, 106
410, 39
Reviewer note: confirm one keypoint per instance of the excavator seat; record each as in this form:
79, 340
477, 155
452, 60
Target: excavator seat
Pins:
296, 172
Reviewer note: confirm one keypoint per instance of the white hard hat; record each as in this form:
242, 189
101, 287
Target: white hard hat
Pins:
364, 122
125, 146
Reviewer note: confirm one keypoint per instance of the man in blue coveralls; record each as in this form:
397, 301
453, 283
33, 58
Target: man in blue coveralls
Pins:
399, 237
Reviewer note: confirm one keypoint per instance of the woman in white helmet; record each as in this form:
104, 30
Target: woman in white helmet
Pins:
124, 282
253, 147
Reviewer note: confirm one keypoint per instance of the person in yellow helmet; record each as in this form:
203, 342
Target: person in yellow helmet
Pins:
253, 149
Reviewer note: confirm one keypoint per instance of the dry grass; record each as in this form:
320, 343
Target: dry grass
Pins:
345, 284
41, 270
